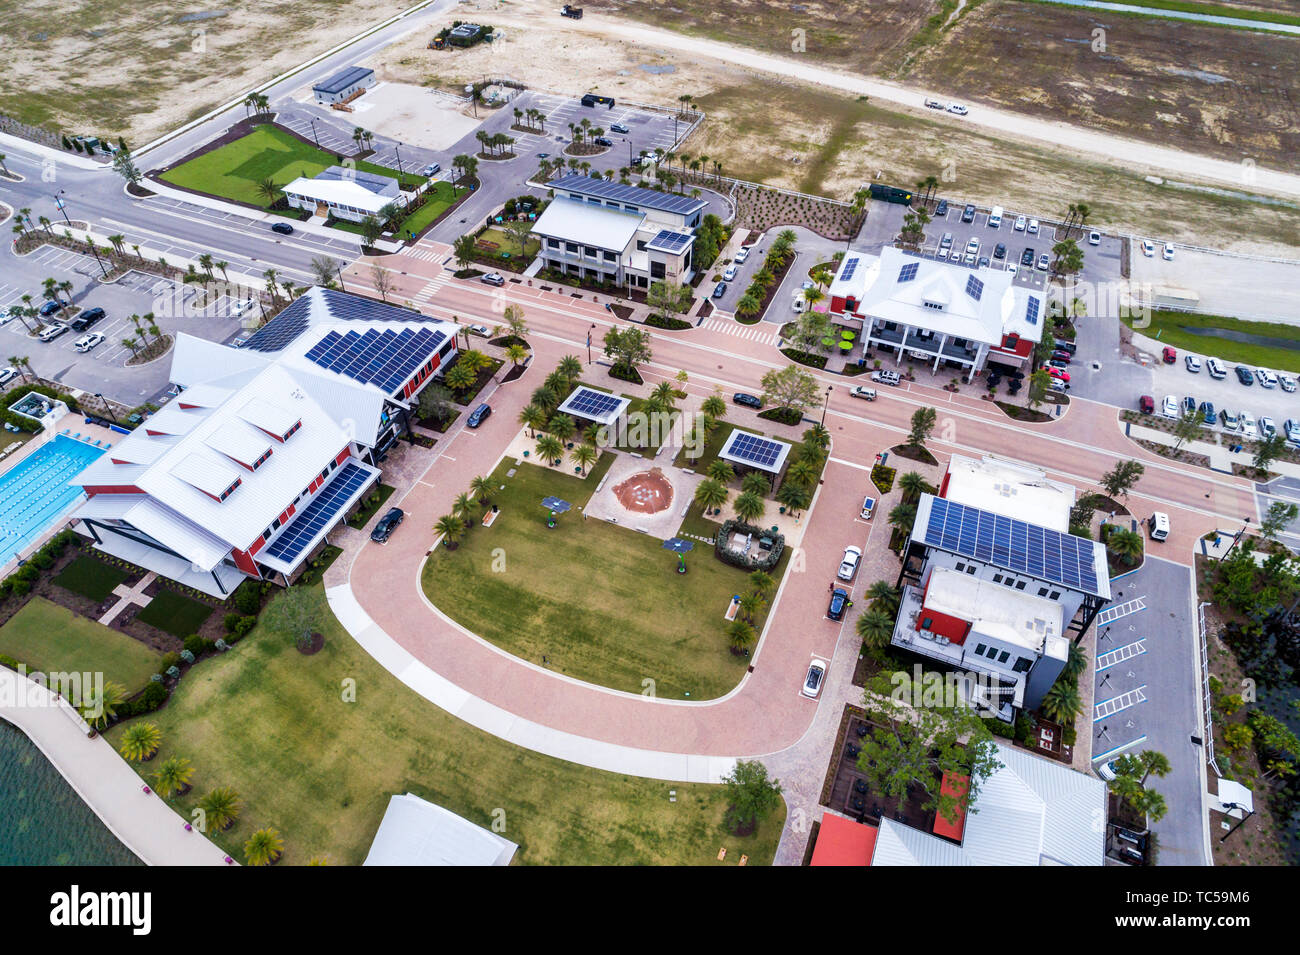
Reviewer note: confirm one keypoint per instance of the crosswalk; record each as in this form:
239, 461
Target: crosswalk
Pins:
754, 333
426, 294
425, 254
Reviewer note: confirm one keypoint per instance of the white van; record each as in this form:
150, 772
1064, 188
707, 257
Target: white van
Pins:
995, 218
1159, 525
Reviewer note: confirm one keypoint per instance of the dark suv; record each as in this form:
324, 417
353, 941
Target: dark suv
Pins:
478, 416
1027, 258
749, 401
1243, 375
968, 214
87, 318
839, 600
387, 524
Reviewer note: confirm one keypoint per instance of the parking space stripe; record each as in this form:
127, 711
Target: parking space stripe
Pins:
1119, 655
1119, 703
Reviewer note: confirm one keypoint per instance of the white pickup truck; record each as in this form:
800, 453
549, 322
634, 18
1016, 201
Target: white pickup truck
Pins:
868, 507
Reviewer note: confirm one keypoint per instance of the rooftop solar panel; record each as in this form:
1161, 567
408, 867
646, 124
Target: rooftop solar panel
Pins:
385, 358
595, 405
636, 195
974, 288
670, 241
850, 266
317, 515
1031, 311
1012, 544
752, 448
908, 271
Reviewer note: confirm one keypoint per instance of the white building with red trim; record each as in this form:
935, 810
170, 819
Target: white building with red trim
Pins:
266, 447
942, 313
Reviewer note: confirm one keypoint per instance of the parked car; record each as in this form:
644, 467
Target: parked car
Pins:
1065, 345
1231, 420
1044, 260
1168, 355
53, 331
1266, 426
1062, 356
1094, 237
968, 214
1169, 407
1290, 427
1216, 368
1058, 373
749, 401
1243, 375
936, 104
7, 375
618, 128
1107, 770
886, 377
868, 503
49, 308
86, 342
1189, 405
1193, 364
1055, 362
282, 227
958, 109
849, 563
386, 525
86, 318
946, 242
493, 278
728, 273
1249, 429
1027, 258
941, 210
1032, 228
838, 603
432, 169
1169, 252
1000, 250
1266, 377
741, 254
720, 290
866, 394
1288, 384
239, 308
1208, 413
603, 141
1020, 224
478, 415
481, 330
812, 683
983, 262
1146, 404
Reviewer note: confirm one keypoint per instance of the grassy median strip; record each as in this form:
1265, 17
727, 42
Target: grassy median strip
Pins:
320, 766
48, 637
599, 602
1170, 328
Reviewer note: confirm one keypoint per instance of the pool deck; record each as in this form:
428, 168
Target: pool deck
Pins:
141, 821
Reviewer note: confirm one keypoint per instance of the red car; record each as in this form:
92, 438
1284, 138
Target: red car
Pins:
1147, 404
1169, 355
1057, 373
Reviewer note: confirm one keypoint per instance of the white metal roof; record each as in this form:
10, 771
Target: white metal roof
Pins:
1007, 487
572, 220
415, 832
339, 192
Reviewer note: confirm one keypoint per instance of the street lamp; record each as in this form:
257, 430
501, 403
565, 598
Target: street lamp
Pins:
339, 267
826, 404
313, 133
398, 153
58, 204
589, 331
107, 407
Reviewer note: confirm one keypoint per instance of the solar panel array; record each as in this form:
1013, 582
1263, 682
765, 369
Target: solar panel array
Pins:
908, 272
1031, 311
283, 329
317, 515
1014, 545
635, 195
850, 266
280, 331
385, 359
974, 288
752, 448
670, 241
594, 405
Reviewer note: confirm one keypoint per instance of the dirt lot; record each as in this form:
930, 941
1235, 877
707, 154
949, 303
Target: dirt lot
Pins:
113, 68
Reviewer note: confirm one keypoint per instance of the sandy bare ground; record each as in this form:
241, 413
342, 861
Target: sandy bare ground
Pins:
407, 113
138, 70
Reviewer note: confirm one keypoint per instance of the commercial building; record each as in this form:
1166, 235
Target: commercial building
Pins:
630, 236
939, 313
344, 85
265, 448
343, 193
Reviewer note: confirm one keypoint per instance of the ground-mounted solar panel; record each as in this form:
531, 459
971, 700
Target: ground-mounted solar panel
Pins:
750, 447
908, 271
974, 287
1012, 544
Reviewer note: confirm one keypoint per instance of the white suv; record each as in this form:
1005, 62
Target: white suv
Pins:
1216, 368
1248, 427
885, 377
849, 565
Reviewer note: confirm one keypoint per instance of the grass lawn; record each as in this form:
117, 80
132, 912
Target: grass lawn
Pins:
46, 636
233, 171
494, 240
440, 195
603, 603
272, 723
175, 614
90, 577
1169, 329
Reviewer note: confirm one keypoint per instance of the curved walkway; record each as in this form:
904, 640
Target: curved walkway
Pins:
143, 823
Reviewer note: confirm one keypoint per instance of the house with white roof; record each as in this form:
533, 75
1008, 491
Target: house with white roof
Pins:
350, 194
605, 231
942, 313
416, 832
266, 447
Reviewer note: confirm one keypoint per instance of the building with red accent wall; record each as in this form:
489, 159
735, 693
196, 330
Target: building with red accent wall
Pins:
941, 313
265, 448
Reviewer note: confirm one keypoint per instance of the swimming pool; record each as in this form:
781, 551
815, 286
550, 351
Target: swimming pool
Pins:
35, 492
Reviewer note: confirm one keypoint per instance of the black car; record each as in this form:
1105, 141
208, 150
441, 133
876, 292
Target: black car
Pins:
839, 600
87, 318
941, 209
282, 227
1000, 251
720, 290
1062, 345
387, 524
749, 401
49, 308
968, 214
478, 415
1243, 375
1027, 258
604, 141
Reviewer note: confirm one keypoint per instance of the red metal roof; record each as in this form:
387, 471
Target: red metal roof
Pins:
842, 841
952, 786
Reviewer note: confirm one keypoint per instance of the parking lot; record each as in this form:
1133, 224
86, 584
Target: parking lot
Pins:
103, 369
1227, 285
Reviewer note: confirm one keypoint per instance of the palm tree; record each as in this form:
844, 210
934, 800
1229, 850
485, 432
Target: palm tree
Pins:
795, 497
755, 483
482, 489
1125, 544
221, 808
913, 486
1076, 663
802, 471
721, 471
460, 376
742, 635
818, 436
875, 627
585, 455
173, 776
1061, 703
451, 529
140, 742
714, 407
465, 507
902, 516
710, 494
761, 583
751, 604
99, 706
132, 343
749, 507
882, 594
263, 847
544, 398
748, 305
562, 426
516, 353
665, 394
549, 448
268, 190
532, 417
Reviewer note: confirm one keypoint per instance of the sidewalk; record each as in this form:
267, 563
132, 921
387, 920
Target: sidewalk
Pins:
106, 783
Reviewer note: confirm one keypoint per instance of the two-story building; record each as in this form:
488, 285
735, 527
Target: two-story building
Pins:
604, 231
942, 313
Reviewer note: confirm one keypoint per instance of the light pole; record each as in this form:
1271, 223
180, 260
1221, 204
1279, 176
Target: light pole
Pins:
398, 153
1236, 539
339, 266
313, 133
1245, 814
589, 331
107, 407
826, 404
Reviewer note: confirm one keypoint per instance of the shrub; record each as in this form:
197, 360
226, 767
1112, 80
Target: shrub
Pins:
247, 598
169, 662
187, 656
230, 620
20, 588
